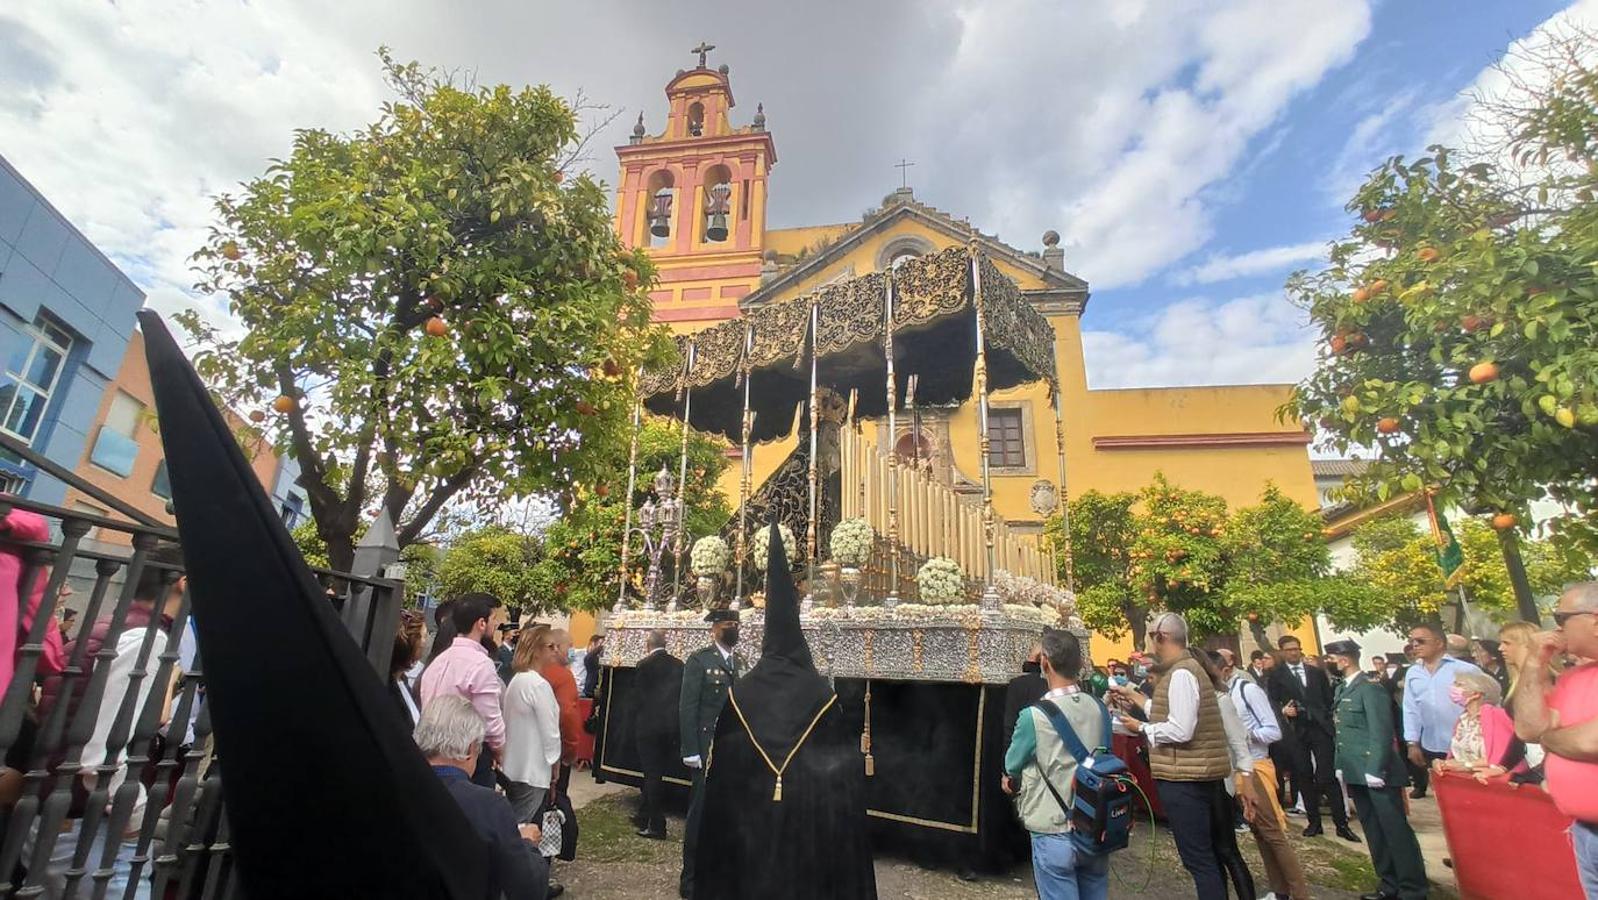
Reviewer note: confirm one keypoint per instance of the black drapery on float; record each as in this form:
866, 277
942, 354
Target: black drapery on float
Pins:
327, 795
785, 793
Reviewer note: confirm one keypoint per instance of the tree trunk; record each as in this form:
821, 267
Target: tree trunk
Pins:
341, 553
1517, 576
1137, 617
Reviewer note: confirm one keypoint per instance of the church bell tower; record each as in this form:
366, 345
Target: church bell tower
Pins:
695, 196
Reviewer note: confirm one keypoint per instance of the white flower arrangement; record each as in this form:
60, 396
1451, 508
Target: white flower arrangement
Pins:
761, 547
710, 556
922, 612
1044, 615
851, 542
940, 581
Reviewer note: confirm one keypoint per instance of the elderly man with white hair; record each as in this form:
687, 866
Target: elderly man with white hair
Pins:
1188, 752
450, 735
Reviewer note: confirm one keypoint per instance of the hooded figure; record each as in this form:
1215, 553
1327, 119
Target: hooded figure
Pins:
785, 791
326, 793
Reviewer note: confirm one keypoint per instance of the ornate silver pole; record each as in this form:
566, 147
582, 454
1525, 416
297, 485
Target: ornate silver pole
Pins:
815, 430
747, 468
1065, 495
682, 479
892, 599
990, 596
627, 498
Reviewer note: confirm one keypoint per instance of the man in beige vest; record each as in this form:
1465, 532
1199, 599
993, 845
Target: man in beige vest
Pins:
1187, 750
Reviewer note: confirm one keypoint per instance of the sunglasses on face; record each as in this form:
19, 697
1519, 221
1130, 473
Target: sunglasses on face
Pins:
1560, 618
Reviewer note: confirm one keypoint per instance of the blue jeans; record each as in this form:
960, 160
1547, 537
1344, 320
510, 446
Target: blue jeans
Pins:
1584, 840
61, 860
1063, 873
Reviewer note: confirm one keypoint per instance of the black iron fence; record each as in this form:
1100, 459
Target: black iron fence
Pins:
111, 787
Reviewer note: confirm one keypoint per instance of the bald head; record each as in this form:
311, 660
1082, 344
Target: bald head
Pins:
1581, 596
1579, 604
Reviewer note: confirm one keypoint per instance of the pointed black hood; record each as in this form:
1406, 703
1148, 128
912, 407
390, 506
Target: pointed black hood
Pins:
327, 795
781, 695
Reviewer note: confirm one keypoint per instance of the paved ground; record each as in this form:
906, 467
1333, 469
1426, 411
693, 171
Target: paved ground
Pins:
614, 864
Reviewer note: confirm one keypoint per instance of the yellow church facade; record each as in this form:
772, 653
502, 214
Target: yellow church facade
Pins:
695, 195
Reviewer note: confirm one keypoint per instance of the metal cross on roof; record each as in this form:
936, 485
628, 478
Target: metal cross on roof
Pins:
903, 165
702, 49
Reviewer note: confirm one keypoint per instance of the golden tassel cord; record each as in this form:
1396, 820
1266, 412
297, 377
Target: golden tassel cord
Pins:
865, 735
776, 793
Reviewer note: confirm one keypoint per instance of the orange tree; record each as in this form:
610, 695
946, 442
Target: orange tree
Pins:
581, 555
431, 310
1460, 318
1170, 548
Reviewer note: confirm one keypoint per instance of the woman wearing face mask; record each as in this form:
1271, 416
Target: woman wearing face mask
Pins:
1484, 736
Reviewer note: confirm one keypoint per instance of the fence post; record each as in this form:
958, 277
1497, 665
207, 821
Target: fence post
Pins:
373, 613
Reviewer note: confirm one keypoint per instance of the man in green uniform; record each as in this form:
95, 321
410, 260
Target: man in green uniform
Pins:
706, 676
1367, 758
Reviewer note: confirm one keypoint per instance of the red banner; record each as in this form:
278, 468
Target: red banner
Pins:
1506, 841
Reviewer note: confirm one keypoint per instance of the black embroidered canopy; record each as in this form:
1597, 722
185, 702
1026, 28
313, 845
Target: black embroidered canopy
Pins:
934, 335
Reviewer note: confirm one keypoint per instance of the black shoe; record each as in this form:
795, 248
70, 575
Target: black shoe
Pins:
1378, 895
966, 874
1347, 834
1313, 831
650, 834
555, 890
1417, 795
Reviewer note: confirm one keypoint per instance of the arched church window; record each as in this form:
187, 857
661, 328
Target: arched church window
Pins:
696, 119
913, 447
902, 257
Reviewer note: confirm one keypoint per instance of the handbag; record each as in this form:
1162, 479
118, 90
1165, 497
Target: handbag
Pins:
558, 822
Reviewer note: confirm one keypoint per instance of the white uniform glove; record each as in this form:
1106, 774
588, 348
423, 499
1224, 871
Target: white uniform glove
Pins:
1372, 781
692, 762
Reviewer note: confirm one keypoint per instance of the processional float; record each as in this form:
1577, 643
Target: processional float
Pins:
921, 602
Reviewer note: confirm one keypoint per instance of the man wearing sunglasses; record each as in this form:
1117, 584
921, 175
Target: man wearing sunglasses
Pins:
1429, 710
1564, 719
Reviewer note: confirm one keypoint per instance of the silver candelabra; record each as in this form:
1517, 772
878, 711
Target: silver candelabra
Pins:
658, 522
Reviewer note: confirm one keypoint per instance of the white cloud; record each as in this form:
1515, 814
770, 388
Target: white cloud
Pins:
1258, 339
1103, 121
1254, 262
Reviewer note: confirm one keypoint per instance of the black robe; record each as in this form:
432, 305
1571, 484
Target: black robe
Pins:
812, 842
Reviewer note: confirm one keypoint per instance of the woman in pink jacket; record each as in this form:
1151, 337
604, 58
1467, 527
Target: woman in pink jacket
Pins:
16, 622
1484, 736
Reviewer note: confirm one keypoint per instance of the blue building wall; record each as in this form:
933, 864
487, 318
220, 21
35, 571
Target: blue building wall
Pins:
48, 268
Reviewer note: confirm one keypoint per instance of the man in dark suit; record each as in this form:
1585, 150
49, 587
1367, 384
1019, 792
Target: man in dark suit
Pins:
658, 680
1024, 689
450, 735
1304, 694
706, 677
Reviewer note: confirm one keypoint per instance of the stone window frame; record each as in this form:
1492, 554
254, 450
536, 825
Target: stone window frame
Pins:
899, 244
1029, 464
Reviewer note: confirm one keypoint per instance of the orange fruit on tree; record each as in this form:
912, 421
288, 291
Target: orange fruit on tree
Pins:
231, 250
1338, 343
1387, 425
284, 404
1473, 323
629, 277
437, 327
1505, 521
1361, 294
257, 416
1378, 286
1483, 372
1429, 254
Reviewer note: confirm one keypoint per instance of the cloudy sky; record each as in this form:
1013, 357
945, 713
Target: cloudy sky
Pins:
1191, 153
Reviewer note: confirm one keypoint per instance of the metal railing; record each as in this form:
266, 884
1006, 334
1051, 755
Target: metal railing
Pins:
55, 838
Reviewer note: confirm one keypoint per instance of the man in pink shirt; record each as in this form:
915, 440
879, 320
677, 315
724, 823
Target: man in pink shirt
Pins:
467, 669
1564, 719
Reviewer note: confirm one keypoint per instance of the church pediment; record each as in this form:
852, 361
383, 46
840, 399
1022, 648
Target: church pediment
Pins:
903, 227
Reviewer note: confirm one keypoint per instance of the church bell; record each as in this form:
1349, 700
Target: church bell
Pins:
716, 213
660, 214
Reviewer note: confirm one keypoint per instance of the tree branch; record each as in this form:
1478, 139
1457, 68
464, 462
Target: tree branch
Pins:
436, 501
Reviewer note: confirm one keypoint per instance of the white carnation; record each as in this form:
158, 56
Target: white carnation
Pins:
851, 542
761, 546
710, 556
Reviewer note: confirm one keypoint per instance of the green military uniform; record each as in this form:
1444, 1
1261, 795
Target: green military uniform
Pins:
706, 677
1367, 749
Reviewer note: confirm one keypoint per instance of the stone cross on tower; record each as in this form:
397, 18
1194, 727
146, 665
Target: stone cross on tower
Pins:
702, 49
903, 165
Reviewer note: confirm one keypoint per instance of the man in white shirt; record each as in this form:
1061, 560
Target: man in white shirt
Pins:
1269, 824
1188, 753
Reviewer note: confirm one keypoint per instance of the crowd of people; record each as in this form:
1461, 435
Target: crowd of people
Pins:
1226, 748
1230, 749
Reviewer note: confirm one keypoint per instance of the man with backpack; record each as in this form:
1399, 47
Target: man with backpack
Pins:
1041, 773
